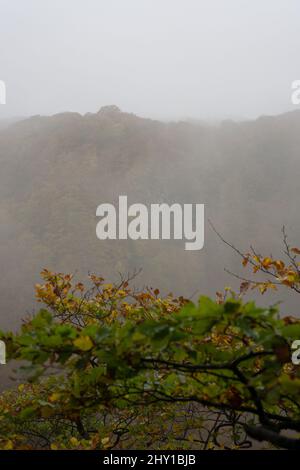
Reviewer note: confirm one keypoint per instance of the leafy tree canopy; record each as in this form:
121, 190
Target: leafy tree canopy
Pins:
108, 366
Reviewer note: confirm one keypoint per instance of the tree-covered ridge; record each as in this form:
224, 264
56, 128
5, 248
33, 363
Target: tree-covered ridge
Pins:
109, 366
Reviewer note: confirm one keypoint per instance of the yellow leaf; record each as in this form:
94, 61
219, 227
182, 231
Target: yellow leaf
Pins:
54, 397
121, 293
278, 264
290, 278
74, 441
263, 288
105, 441
108, 286
84, 343
8, 445
266, 262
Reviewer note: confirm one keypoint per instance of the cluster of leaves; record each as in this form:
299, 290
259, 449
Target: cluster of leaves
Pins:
276, 271
101, 302
112, 367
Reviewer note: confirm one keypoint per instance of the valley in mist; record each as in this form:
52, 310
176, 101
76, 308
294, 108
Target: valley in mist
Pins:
56, 170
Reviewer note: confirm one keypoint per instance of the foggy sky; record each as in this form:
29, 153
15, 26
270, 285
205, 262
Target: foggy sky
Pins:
167, 59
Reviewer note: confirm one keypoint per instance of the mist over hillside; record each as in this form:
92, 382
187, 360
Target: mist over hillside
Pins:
56, 170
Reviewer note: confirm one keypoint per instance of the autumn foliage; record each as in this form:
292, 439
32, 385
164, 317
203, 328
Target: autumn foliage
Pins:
108, 366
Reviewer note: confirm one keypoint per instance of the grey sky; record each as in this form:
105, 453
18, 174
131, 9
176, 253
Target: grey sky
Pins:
165, 59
